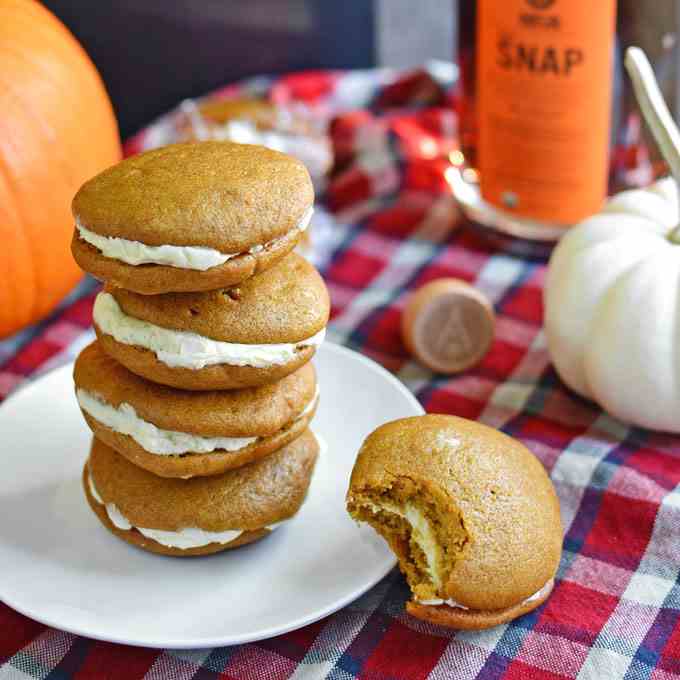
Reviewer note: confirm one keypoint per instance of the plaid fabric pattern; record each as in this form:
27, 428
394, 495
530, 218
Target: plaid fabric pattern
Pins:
615, 609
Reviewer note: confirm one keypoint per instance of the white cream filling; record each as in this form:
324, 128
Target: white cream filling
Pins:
421, 533
184, 349
246, 132
124, 420
183, 257
314, 154
190, 537
452, 603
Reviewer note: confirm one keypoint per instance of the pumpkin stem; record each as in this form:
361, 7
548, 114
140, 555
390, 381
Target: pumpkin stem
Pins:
656, 114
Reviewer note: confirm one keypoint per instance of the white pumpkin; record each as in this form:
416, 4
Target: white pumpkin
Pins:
612, 307
612, 295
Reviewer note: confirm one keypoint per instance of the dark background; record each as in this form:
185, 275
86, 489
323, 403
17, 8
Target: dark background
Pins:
154, 53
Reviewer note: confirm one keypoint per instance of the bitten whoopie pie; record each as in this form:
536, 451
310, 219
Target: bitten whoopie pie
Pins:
175, 433
252, 120
470, 513
257, 333
191, 217
201, 515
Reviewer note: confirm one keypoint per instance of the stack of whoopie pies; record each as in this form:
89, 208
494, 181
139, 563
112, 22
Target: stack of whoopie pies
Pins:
199, 389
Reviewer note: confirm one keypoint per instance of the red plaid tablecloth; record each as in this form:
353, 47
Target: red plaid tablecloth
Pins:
614, 611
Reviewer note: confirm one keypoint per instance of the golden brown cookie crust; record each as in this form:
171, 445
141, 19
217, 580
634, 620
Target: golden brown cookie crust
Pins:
259, 111
198, 464
143, 362
285, 304
154, 279
262, 113
138, 539
248, 498
502, 493
214, 194
252, 412
471, 619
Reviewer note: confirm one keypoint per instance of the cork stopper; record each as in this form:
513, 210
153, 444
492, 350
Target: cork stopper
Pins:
448, 325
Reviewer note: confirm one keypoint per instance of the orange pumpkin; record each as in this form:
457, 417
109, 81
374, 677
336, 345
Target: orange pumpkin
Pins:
57, 129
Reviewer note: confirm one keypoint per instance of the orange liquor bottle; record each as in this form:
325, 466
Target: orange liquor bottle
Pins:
535, 113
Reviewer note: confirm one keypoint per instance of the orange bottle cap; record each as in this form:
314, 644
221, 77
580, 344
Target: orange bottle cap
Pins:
448, 325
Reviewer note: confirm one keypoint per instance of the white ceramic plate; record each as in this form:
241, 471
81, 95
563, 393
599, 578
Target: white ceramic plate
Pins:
60, 566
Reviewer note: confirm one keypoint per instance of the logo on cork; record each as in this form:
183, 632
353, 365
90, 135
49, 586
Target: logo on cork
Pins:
454, 340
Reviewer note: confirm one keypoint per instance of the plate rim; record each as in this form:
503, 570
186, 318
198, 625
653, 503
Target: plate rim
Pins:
204, 643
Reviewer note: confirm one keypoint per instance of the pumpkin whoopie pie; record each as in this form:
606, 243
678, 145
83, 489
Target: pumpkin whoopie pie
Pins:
253, 120
470, 513
175, 433
257, 333
201, 515
191, 217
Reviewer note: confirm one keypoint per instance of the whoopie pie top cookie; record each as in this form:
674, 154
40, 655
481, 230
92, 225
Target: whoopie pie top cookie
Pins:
191, 217
200, 515
470, 513
224, 339
175, 433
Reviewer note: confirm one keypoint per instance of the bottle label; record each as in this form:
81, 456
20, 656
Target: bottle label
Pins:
544, 87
